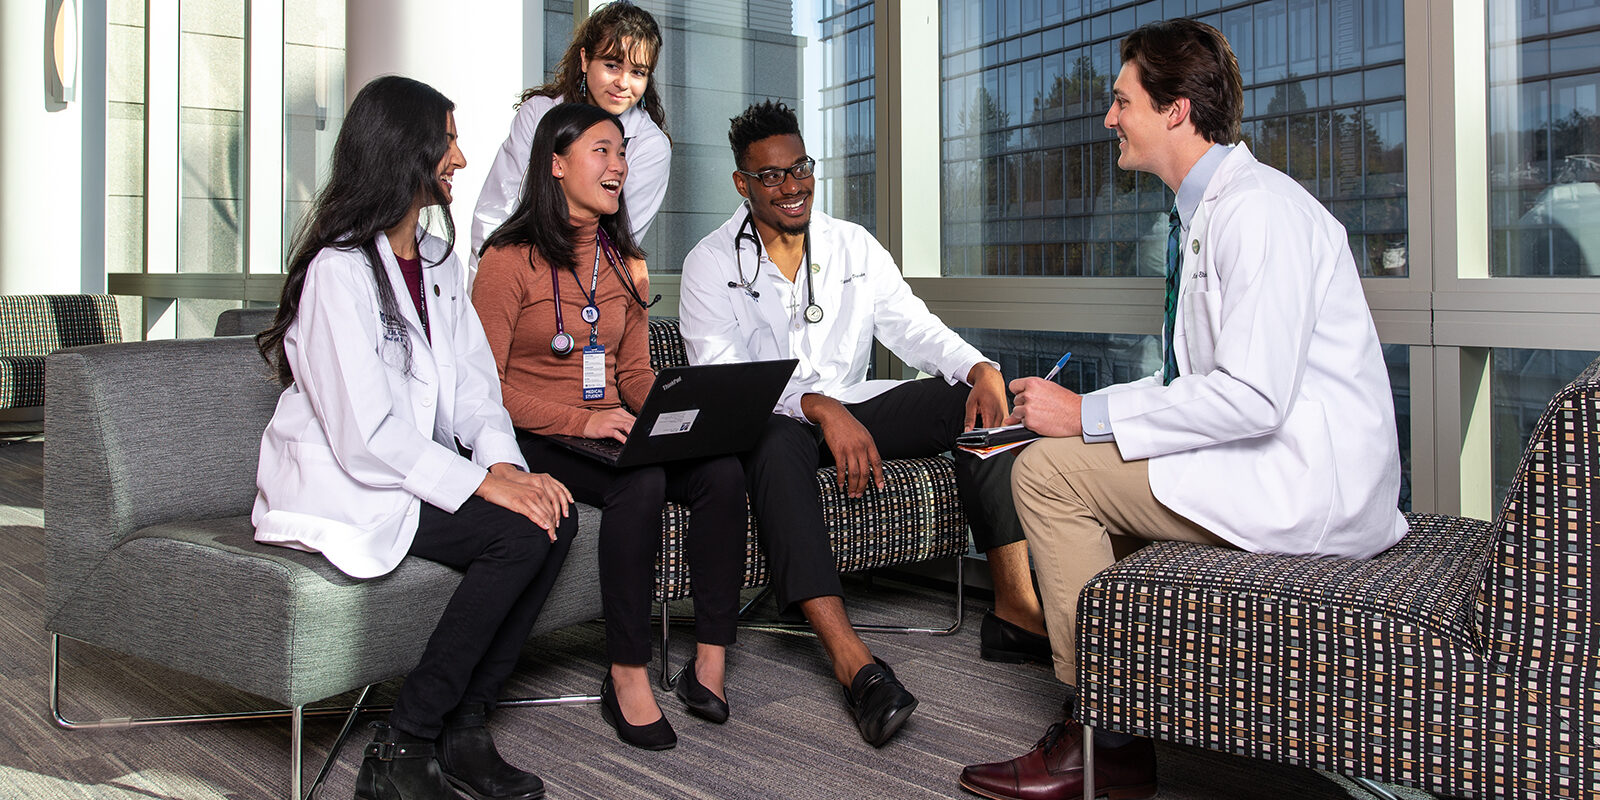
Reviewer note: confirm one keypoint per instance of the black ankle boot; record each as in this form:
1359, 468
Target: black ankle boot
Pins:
472, 764
399, 766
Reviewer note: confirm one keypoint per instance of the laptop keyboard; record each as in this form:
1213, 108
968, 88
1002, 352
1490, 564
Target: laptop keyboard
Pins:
610, 447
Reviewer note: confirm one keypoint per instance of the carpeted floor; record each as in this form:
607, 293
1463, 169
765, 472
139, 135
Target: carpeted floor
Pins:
789, 738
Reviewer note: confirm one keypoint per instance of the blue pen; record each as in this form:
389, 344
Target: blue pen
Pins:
1059, 364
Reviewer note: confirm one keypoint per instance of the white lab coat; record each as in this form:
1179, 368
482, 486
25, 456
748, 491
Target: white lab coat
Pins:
649, 161
862, 296
1279, 433
356, 444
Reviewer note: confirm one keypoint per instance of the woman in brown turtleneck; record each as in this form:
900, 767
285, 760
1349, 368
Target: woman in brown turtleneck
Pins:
560, 285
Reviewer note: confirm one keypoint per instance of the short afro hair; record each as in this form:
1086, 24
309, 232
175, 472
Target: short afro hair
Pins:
759, 121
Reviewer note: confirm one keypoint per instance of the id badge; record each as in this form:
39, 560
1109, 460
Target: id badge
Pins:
594, 372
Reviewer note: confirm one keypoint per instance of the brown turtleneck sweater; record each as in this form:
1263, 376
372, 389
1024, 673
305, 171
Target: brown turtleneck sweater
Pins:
544, 391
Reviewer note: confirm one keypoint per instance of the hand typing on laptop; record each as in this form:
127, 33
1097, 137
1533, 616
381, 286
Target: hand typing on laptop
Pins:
612, 423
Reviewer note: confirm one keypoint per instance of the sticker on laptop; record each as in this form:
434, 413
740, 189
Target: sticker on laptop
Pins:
674, 422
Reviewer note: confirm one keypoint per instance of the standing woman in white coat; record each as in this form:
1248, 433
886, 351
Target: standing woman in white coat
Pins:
610, 63
388, 375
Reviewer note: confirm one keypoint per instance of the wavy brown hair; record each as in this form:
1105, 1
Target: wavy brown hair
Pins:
1184, 58
601, 35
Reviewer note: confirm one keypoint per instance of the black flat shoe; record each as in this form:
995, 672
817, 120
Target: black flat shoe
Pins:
657, 735
879, 702
1001, 641
700, 701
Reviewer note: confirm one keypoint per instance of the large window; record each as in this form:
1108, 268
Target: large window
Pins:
1460, 148
1031, 183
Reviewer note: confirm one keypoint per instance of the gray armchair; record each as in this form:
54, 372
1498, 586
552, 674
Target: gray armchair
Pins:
149, 480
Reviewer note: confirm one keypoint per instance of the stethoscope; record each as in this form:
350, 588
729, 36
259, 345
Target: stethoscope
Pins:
813, 313
562, 343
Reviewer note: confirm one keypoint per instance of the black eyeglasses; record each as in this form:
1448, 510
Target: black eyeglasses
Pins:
776, 175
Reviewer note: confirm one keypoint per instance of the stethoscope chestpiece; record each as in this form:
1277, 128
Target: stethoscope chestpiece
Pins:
561, 344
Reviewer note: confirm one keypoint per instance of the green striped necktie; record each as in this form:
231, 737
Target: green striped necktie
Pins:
1169, 364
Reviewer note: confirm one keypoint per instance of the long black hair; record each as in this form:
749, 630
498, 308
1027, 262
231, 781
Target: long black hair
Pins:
600, 35
387, 153
541, 219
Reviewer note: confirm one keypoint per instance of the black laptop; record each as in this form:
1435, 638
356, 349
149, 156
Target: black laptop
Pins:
694, 412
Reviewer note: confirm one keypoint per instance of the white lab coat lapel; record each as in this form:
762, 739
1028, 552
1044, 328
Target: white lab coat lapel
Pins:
1199, 319
773, 310
425, 366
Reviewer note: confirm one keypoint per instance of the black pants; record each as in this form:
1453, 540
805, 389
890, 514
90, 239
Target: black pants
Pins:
510, 565
630, 538
916, 418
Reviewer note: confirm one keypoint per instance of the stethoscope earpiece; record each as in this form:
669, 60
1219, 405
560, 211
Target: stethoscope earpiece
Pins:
754, 295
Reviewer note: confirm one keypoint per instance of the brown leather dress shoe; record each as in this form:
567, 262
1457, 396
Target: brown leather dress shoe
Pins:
1053, 770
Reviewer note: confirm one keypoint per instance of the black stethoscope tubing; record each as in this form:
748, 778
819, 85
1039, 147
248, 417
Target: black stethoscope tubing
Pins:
813, 313
562, 343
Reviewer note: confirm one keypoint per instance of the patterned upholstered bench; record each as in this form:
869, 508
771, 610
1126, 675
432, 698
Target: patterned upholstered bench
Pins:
1465, 660
914, 519
33, 326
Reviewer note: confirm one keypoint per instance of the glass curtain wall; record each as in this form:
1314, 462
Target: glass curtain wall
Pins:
211, 150
125, 149
313, 104
1031, 183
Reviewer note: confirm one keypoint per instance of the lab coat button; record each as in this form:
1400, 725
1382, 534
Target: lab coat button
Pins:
427, 402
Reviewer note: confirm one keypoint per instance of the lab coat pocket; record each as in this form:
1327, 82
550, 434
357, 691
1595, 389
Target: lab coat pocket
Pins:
320, 486
1201, 312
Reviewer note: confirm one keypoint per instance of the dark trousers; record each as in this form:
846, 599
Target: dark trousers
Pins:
630, 538
509, 565
916, 418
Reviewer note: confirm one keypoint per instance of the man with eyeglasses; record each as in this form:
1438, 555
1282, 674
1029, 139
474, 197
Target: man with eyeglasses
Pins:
781, 280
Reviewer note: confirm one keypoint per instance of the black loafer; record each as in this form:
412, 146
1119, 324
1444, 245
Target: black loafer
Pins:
700, 701
1006, 643
657, 735
879, 702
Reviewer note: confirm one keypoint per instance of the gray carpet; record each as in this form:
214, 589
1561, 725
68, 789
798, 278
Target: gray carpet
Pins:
789, 737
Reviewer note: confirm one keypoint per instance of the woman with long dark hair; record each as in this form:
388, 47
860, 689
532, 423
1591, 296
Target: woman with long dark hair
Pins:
559, 292
386, 370
610, 63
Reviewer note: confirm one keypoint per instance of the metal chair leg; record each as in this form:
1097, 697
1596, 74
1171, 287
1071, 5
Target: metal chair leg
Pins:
338, 743
1375, 788
786, 625
1088, 762
296, 717
297, 724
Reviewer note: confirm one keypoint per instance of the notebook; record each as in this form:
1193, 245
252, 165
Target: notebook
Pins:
695, 412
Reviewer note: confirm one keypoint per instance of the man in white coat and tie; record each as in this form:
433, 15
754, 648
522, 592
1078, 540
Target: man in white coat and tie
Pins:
1270, 425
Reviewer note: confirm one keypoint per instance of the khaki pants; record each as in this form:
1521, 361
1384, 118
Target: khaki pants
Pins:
1076, 501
